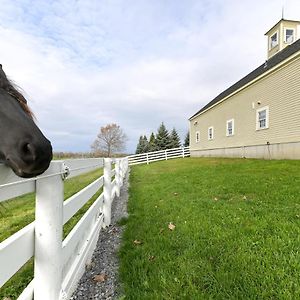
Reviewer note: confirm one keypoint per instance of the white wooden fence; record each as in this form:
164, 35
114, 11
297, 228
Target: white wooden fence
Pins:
158, 155
58, 263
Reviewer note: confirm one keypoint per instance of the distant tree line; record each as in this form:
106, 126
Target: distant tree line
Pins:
162, 140
68, 155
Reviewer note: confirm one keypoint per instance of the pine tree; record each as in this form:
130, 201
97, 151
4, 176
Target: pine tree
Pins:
152, 143
145, 145
174, 139
187, 140
162, 138
139, 145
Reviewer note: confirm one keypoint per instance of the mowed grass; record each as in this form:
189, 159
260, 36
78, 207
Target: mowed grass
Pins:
17, 213
236, 236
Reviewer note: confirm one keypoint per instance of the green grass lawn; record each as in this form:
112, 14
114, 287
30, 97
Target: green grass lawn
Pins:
17, 213
236, 236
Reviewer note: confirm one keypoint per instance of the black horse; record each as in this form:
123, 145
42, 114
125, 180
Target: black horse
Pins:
23, 147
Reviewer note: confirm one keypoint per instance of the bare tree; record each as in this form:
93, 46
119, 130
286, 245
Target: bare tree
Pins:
110, 139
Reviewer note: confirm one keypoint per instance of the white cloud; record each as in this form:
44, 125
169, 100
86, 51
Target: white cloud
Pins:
84, 64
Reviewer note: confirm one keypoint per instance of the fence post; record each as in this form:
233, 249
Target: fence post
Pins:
147, 159
48, 235
166, 155
120, 172
123, 169
118, 179
183, 152
107, 192
126, 166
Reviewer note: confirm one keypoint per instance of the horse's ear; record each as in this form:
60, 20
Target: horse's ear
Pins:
2, 77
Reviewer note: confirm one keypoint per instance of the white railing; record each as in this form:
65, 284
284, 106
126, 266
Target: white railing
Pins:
146, 158
58, 263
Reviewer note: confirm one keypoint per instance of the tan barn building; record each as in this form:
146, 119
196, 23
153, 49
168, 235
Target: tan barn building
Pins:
258, 116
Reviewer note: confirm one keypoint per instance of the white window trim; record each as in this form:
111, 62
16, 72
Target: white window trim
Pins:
270, 40
212, 133
197, 136
266, 108
227, 122
294, 37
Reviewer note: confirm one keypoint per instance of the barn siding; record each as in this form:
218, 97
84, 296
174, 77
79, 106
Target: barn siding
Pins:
280, 90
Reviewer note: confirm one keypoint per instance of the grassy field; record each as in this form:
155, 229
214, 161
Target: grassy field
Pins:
17, 213
236, 234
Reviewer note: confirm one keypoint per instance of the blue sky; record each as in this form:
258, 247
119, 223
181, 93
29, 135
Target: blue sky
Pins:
84, 64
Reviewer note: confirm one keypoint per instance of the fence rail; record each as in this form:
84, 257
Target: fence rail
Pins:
158, 155
58, 263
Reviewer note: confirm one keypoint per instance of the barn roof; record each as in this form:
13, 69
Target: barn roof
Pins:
269, 64
291, 21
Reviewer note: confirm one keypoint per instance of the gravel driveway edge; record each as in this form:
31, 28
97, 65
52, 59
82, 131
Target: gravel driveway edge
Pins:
100, 280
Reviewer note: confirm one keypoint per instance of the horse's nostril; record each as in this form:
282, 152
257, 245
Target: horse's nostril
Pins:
28, 152
26, 148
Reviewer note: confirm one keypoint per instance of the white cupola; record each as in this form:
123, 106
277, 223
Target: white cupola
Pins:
281, 35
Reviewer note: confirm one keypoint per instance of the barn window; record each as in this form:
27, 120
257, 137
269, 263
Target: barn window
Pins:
262, 118
210, 133
273, 40
230, 127
289, 35
197, 136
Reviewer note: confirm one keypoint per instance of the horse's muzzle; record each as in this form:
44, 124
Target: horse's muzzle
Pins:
30, 158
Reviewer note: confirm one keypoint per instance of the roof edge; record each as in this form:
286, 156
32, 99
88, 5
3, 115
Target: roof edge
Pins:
268, 71
282, 19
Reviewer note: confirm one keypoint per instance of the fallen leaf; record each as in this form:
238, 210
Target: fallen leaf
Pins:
100, 277
114, 230
137, 242
245, 198
90, 265
171, 226
151, 257
175, 194
216, 199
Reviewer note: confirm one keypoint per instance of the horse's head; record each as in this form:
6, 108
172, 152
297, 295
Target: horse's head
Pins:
23, 147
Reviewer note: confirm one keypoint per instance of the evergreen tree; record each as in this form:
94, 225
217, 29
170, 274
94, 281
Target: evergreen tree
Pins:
139, 145
145, 145
162, 138
174, 139
152, 143
187, 139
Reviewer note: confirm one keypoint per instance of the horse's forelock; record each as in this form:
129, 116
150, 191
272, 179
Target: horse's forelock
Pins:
20, 98
12, 90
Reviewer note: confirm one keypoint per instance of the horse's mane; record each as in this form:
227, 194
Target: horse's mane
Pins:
13, 91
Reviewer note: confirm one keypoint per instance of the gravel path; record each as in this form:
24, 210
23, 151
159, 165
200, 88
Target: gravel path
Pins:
100, 280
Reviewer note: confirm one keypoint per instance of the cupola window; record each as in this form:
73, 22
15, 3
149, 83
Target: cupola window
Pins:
274, 40
289, 36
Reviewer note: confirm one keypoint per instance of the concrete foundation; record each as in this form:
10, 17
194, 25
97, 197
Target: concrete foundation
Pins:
271, 151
